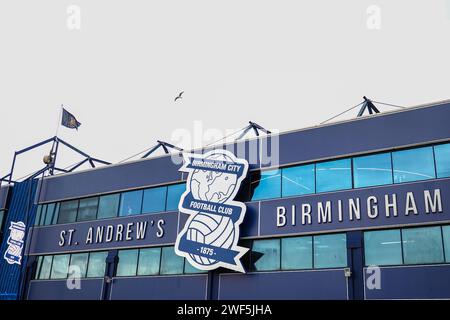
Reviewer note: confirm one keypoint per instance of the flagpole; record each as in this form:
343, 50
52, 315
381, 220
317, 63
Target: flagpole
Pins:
59, 121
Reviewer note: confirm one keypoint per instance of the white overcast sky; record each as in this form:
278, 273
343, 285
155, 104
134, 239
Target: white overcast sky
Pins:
283, 64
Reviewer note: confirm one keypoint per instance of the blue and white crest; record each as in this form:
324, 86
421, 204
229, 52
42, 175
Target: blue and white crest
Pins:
209, 237
13, 253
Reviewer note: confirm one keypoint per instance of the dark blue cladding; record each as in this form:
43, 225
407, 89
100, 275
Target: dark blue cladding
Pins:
374, 133
187, 287
268, 224
4, 191
280, 285
411, 282
131, 231
91, 289
110, 179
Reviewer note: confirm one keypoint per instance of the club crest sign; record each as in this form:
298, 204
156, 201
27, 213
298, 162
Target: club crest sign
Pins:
210, 235
13, 254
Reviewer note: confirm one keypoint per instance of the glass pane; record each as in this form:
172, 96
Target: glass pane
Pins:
97, 264
108, 206
79, 260
330, 251
267, 185
68, 211
127, 262
422, 245
442, 156
171, 263
296, 253
36, 220
266, 254
154, 200
60, 266
56, 213
49, 216
383, 247
88, 209
42, 217
38, 266
334, 175
130, 203
413, 165
149, 261
298, 180
46, 267
374, 170
188, 268
173, 196
446, 231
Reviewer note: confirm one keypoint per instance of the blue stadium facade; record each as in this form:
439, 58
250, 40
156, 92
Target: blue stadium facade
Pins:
353, 210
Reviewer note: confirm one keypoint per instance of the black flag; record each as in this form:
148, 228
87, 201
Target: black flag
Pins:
68, 120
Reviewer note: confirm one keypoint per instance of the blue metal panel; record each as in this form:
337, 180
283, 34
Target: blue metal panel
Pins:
46, 239
109, 179
21, 208
364, 135
90, 289
412, 282
284, 285
4, 191
269, 209
188, 287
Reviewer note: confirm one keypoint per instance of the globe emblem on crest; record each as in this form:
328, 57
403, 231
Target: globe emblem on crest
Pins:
215, 187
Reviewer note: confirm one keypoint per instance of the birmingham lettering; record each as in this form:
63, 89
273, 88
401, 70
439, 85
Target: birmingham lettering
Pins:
353, 208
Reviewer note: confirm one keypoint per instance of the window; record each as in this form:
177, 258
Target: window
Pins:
188, 268
60, 266
296, 253
267, 186
68, 211
42, 212
44, 271
171, 263
96, 265
49, 214
446, 237
334, 175
298, 180
174, 193
442, 157
154, 200
130, 203
80, 261
413, 165
383, 247
56, 213
266, 255
108, 206
373, 170
88, 209
127, 262
149, 261
422, 245
330, 251
38, 215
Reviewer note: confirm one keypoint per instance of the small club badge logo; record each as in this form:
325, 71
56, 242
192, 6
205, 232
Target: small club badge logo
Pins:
13, 253
210, 235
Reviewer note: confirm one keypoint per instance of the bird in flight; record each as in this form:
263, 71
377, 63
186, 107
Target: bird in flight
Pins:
179, 96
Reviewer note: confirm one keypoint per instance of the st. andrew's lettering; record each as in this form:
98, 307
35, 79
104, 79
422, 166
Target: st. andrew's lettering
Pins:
113, 233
